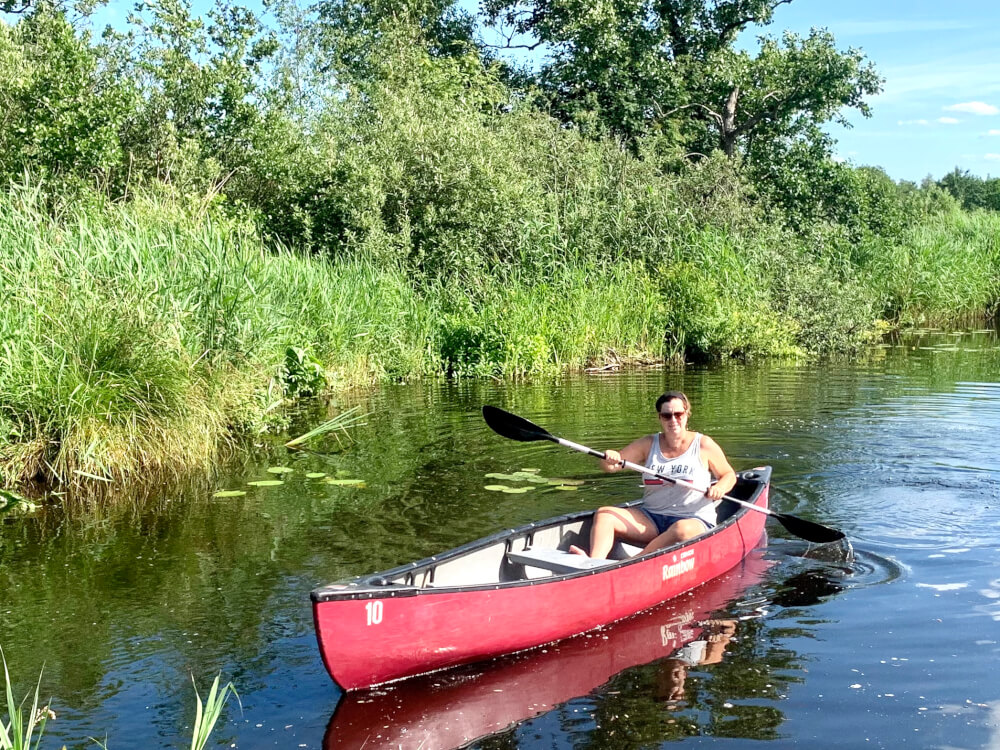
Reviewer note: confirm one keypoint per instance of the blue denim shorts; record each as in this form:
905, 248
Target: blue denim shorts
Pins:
663, 522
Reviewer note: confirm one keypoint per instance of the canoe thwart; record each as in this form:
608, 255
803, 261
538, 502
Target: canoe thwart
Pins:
555, 560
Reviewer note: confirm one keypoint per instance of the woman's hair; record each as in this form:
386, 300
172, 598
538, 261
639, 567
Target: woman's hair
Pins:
670, 396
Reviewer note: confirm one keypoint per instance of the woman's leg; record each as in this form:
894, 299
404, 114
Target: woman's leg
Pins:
679, 531
612, 523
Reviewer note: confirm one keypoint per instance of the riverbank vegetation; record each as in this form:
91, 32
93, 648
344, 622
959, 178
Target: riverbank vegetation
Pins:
204, 220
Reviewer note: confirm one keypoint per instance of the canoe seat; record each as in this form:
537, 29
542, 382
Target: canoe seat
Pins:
558, 561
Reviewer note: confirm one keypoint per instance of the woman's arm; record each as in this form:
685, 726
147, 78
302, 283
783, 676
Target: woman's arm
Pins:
718, 464
636, 452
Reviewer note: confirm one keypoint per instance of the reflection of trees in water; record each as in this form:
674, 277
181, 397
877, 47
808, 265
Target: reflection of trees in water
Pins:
635, 708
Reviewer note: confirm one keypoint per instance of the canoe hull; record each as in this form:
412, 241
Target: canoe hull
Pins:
368, 637
441, 712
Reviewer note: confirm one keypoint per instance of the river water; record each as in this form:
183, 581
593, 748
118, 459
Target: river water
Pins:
124, 602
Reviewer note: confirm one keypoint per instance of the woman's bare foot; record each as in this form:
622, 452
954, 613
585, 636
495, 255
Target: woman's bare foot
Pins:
574, 550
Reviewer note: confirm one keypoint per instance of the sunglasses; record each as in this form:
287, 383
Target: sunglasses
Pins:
672, 415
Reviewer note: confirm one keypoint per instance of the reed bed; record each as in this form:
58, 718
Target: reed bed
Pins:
141, 340
136, 342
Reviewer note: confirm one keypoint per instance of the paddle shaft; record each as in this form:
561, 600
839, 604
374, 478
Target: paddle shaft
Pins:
518, 428
646, 470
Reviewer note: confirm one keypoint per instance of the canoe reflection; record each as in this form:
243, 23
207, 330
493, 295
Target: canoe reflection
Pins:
453, 708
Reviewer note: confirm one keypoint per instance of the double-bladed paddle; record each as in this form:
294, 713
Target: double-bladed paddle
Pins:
518, 428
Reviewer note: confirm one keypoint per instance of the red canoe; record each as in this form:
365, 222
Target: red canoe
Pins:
444, 711
512, 591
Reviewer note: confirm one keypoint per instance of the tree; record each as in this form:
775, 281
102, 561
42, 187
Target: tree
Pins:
972, 191
633, 67
786, 89
60, 108
351, 30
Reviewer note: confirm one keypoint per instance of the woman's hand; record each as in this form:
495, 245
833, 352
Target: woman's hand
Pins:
725, 483
613, 460
714, 492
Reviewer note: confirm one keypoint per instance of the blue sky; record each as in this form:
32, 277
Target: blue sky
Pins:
940, 107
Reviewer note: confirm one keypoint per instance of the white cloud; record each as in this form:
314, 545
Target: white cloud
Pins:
913, 122
992, 157
974, 108
948, 120
993, 132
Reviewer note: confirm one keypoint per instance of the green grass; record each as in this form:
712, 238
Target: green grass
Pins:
207, 713
947, 268
139, 340
18, 731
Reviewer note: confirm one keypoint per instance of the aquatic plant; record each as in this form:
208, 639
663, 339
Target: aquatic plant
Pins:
19, 730
349, 418
207, 714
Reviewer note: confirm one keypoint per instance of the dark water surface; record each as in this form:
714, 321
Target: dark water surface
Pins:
123, 603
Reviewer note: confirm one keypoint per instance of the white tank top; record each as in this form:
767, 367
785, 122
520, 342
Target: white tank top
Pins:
669, 499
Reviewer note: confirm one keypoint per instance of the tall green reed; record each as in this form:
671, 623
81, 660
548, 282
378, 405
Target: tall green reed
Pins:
136, 341
18, 731
207, 714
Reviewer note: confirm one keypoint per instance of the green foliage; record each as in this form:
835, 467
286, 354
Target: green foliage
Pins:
207, 714
9, 500
581, 316
19, 730
972, 192
137, 339
209, 219
352, 30
635, 67
300, 374
945, 267
62, 109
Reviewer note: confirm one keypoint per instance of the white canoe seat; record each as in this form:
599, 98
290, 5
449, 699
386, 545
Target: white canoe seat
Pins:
557, 561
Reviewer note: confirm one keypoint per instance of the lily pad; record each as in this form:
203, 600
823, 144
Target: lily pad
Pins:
229, 493
495, 475
346, 482
279, 470
517, 490
343, 473
266, 483
315, 475
569, 482
531, 471
534, 479
496, 487
565, 487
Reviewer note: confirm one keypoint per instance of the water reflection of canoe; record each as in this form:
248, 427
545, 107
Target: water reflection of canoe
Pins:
436, 712
512, 591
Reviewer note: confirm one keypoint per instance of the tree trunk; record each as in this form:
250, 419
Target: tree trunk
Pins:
728, 135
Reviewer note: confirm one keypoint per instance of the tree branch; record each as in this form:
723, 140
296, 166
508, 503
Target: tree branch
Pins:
739, 23
753, 121
712, 112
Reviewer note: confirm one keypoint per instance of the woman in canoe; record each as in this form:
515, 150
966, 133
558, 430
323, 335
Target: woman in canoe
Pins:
670, 513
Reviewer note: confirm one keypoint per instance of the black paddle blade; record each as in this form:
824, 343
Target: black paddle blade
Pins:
811, 532
512, 426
